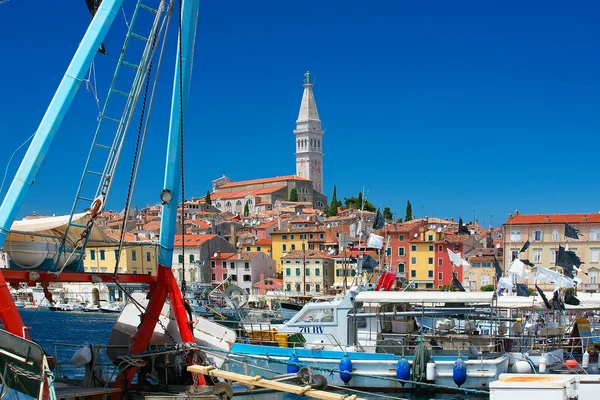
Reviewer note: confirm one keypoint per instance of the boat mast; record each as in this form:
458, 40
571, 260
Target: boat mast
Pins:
40, 144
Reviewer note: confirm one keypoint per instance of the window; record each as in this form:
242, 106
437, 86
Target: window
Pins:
430, 238
322, 246
400, 251
288, 287
388, 251
413, 273
149, 272
311, 246
232, 265
317, 315
311, 236
594, 234
246, 265
247, 248
593, 276
431, 247
258, 248
291, 237
430, 261
321, 236
484, 280
297, 286
308, 287
92, 254
537, 236
515, 236
594, 255
116, 254
247, 278
440, 248
224, 276
103, 270
213, 264
147, 256
440, 276
554, 234
430, 273
429, 286
413, 260
307, 271
317, 287
293, 247
317, 271
134, 271
440, 262
94, 270
283, 248
234, 278
401, 267
413, 247
297, 271
514, 254
325, 272
476, 264
101, 254
213, 277
401, 237
191, 258
224, 264
288, 271
283, 237
180, 258
537, 255
553, 256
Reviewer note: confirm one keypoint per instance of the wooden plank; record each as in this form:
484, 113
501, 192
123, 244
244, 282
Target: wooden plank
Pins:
266, 383
71, 392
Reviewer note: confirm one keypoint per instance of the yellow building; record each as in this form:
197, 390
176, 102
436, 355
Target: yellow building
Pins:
136, 258
261, 245
422, 259
308, 271
284, 242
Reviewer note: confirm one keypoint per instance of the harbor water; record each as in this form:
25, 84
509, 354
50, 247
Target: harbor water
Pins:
79, 328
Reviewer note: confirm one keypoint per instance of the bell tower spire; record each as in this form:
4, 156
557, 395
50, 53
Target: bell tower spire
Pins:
308, 132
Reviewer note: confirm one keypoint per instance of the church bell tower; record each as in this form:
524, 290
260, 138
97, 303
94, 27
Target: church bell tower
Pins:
309, 138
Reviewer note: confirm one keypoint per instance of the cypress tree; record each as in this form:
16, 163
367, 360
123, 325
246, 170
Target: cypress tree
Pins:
207, 199
294, 195
409, 215
332, 211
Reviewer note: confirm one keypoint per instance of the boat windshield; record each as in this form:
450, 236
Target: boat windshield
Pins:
320, 315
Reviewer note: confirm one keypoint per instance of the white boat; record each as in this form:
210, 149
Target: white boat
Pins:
91, 308
114, 308
206, 333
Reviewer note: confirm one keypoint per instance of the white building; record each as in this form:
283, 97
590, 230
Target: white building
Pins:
243, 269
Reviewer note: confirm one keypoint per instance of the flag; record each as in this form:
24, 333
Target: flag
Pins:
456, 284
378, 223
375, 241
570, 299
571, 232
518, 269
522, 290
525, 247
345, 241
505, 283
543, 296
557, 302
462, 228
528, 263
497, 268
368, 262
568, 260
455, 247
456, 259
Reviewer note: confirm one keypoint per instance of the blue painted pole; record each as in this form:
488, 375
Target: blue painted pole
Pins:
168, 223
67, 89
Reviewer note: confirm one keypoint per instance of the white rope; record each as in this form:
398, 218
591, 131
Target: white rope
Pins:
125, 17
11, 157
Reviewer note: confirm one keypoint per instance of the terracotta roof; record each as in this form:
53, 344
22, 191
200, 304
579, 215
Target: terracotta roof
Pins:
553, 218
198, 223
246, 255
308, 254
193, 240
152, 226
263, 242
115, 234
355, 253
222, 256
238, 194
262, 181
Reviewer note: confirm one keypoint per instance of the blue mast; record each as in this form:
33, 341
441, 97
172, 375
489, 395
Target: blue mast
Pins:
168, 222
63, 97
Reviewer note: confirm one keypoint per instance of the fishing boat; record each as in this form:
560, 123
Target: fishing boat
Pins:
112, 308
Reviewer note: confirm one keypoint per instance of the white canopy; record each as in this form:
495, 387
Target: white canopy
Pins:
536, 303
427, 297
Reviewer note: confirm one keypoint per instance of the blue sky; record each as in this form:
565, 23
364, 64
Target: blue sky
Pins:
464, 108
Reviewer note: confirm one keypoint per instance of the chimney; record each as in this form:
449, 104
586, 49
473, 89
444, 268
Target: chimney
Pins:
253, 241
136, 237
218, 253
452, 219
516, 212
239, 256
232, 233
584, 219
547, 218
262, 277
509, 216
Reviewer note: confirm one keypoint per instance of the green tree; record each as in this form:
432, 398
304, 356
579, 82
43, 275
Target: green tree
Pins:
399, 220
332, 209
486, 288
207, 199
359, 201
387, 214
409, 214
447, 288
246, 209
293, 195
353, 202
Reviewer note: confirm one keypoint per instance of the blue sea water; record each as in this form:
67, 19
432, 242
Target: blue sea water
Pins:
78, 328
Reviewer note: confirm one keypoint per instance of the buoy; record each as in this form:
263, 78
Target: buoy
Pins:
521, 367
403, 370
543, 364
459, 372
585, 360
571, 364
430, 372
292, 368
345, 369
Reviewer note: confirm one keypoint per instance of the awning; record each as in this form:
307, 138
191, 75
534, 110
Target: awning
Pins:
427, 297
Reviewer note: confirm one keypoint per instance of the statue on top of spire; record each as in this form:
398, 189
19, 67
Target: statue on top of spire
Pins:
307, 77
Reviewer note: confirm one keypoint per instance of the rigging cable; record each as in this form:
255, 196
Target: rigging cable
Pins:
11, 157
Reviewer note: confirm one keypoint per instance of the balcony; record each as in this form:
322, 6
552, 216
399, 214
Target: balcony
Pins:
590, 287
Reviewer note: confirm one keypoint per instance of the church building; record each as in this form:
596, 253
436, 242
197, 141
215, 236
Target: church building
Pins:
261, 194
